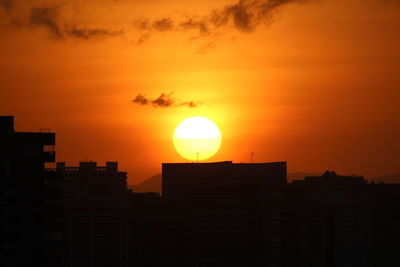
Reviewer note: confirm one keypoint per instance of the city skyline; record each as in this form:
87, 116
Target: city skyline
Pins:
313, 83
207, 214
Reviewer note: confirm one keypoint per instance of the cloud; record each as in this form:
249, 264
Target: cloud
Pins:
163, 101
90, 33
6, 4
243, 15
49, 17
141, 99
190, 104
147, 27
198, 24
165, 24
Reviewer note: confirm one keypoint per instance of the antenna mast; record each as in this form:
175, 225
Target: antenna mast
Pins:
252, 157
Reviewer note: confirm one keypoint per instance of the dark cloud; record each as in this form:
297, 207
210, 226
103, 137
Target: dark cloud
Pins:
195, 24
163, 101
46, 17
160, 25
190, 104
148, 27
90, 33
247, 15
6, 4
244, 15
165, 24
49, 18
141, 99
241, 15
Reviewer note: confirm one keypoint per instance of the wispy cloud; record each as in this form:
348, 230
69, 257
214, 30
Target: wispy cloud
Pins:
241, 15
49, 17
46, 17
164, 101
88, 33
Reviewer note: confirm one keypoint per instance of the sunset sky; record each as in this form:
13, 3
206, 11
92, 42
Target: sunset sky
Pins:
314, 83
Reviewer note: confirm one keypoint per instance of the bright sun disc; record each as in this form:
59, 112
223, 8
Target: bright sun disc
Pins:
197, 138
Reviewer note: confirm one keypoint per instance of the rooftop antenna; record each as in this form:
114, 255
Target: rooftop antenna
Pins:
252, 157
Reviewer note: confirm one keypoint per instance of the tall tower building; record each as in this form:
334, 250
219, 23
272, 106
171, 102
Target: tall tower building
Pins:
23, 194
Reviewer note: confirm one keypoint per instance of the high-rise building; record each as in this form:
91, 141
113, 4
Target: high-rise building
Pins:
24, 235
230, 212
95, 214
334, 220
157, 234
188, 179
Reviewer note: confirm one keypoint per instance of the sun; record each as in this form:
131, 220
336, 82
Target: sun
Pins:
197, 138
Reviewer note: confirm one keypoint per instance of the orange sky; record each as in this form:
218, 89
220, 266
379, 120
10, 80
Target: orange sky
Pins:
317, 86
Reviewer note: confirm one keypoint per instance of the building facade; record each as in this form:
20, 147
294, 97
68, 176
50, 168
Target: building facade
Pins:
95, 214
25, 237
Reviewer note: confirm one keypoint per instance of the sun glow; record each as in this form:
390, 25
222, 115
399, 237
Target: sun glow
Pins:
197, 138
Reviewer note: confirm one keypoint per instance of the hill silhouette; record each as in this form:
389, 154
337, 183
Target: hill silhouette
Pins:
152, 184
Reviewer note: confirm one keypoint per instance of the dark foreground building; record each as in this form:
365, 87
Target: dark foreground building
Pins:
335, 220
95, 214
183, 180
230, 213
26, 236
225, 214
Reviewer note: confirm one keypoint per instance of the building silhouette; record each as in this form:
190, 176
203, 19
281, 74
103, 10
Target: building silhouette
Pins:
95, 214
157, 232
209, 214
327, 219
26, 237
229, 210
182, 180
